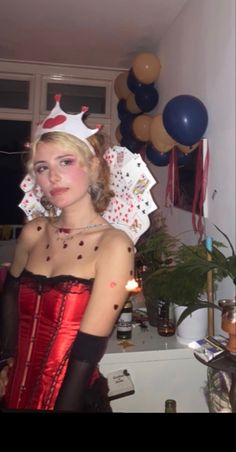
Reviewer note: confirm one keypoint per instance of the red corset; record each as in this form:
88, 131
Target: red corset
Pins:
50, 312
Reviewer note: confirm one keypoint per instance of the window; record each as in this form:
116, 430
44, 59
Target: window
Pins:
13, 136
14, 94
74, 96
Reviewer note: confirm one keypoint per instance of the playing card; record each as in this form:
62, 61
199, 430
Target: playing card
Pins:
32, 207
27, 184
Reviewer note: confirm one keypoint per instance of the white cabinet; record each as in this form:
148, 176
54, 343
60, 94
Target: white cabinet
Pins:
160, 369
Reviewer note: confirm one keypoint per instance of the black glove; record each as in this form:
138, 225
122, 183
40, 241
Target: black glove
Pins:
86, 352
9, 317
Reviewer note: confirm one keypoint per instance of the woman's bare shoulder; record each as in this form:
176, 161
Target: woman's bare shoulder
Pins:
29, 235
32, 228
116, 237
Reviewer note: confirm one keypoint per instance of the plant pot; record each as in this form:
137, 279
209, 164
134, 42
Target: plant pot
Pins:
192, 328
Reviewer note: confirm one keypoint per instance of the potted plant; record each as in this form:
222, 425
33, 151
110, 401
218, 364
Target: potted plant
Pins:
155, 250
181, 276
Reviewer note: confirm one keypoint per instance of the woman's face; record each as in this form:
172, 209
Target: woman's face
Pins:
60, 175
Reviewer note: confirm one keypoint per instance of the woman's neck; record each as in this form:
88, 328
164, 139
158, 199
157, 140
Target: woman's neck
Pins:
77, 217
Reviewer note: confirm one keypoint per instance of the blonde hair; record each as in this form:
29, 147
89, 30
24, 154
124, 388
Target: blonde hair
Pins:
100, 187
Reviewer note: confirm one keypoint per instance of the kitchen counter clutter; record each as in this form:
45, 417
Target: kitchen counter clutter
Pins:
160, 368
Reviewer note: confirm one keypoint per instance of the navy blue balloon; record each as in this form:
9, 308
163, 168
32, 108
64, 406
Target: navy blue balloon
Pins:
121, 107
156, 157
146, 98
133, 83
132, 144
183, 159
185, 119
126, 128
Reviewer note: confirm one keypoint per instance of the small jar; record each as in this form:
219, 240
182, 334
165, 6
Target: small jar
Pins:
166, 323
170, 406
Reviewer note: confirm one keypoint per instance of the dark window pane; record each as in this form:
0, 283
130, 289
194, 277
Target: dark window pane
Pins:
13, 136
14, 94
74, 96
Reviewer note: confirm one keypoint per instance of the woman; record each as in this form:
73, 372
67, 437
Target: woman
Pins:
68, 274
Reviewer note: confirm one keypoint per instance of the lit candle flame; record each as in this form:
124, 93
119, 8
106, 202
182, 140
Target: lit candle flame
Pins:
131, 285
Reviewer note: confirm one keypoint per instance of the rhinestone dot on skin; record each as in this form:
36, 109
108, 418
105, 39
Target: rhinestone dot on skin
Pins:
80, 256
116, 307
39, 228
113, 284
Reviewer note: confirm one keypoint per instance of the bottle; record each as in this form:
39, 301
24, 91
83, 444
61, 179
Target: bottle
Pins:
124, 324
166, 324
170, 406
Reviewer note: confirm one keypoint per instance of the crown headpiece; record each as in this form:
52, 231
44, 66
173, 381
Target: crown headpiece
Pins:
59, 121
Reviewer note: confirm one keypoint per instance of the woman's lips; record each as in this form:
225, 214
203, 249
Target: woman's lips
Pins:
58, 191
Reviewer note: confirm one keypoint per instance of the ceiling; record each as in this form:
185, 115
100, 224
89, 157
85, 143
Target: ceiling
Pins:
102, 33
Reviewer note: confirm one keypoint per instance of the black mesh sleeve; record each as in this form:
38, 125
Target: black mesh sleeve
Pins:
9, 317
86, 352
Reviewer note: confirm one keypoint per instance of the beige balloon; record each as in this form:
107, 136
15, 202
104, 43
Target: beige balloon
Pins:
187, 149
131, 105
120, 86
141, 127
146, 67
159, 137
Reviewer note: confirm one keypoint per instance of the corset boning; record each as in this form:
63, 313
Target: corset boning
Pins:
50, 312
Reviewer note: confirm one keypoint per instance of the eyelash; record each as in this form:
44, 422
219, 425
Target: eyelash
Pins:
63, 162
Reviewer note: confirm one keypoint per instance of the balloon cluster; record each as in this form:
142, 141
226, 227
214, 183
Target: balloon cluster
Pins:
137, 96
182, 125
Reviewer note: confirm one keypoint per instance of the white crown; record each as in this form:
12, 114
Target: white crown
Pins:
59, 121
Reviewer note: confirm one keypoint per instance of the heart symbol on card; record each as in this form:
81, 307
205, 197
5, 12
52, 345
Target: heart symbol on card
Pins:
53, 122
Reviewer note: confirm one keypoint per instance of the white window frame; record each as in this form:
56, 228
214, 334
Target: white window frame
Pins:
79, 82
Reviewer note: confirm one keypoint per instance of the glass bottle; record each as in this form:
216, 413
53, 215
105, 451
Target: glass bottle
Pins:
170, 406
124, 323
228, 323
166, 324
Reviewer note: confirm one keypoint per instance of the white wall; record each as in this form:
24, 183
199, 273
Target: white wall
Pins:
197, 55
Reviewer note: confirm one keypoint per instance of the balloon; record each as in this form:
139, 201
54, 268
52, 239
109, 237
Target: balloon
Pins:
185, 119
131, 144
118, 134
146, 98
133, 83
120, 86
159, 137
183, 159
156, 157
131, 104
123, 113
126, 128
146, 67
187, 149
141, 127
